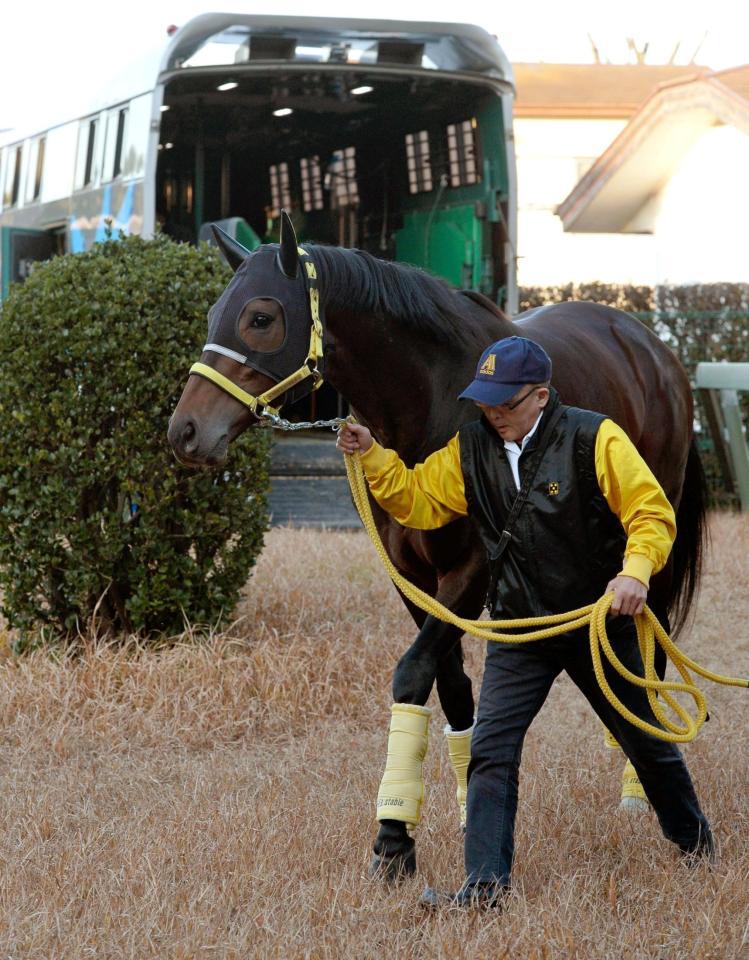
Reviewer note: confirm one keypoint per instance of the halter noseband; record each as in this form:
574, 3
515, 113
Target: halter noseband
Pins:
308, 369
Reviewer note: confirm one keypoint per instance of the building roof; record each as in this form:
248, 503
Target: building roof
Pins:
736, 79
591, 89
615, 191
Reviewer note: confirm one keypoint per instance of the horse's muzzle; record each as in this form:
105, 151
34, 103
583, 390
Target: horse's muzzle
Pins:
196, 447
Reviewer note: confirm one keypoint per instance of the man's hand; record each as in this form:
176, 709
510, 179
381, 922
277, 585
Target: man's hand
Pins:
353, 437
629, 595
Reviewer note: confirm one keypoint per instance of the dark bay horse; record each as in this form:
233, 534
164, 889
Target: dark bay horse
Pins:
400, 345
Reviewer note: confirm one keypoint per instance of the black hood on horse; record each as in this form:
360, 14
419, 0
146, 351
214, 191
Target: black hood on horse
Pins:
272, 272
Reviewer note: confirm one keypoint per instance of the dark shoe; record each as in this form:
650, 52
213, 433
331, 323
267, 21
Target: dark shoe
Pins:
479, 896
703, 852
399, 866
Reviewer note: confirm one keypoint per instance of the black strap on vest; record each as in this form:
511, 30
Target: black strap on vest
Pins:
517, 506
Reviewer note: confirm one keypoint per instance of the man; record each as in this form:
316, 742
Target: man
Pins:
591, 519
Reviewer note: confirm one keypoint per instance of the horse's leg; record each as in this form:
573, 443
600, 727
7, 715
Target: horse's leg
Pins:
434, 655
456, 696
413, 679
394, 849
461, 588
455, 689
419, 666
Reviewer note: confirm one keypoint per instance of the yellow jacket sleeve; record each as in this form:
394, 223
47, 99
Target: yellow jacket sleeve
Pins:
429, 496
636, 497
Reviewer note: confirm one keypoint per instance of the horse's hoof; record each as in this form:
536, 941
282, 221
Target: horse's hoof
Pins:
398, 866
634, 805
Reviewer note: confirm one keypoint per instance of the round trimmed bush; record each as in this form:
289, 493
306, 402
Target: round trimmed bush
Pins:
97, 519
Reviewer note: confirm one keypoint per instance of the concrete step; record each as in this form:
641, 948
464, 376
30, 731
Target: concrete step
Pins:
308, 483
306, 456
312, 502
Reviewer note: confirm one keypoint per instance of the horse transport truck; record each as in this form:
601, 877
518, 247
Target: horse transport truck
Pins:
393, 137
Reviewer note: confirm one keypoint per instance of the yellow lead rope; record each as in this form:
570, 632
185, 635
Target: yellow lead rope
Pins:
594, 616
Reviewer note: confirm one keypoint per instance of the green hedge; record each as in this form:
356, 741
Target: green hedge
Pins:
98, 522
700, 322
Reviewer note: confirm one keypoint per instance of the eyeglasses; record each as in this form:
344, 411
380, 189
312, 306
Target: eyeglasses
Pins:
510, 405
516, 403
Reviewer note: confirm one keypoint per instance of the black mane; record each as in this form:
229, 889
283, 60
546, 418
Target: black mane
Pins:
356, 279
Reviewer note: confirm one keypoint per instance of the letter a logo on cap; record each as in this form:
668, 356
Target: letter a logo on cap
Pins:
487, 367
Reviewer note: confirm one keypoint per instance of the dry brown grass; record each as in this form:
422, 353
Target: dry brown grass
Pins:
215, 799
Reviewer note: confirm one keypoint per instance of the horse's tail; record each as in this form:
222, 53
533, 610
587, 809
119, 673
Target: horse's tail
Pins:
691, 541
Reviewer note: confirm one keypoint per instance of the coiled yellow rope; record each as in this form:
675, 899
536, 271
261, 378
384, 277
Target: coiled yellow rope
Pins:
594, 616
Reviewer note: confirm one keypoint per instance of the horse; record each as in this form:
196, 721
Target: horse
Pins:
400, 345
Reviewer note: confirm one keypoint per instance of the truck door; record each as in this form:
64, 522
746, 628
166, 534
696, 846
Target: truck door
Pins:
20, 250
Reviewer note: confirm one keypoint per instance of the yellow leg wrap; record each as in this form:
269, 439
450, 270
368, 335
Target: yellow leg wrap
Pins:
610, 740
633, 796
459, 749
402, 786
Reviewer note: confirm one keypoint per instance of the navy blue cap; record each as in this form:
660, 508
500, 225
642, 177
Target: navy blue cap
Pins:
504, 368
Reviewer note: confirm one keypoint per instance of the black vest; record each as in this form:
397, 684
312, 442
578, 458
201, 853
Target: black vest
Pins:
566, 543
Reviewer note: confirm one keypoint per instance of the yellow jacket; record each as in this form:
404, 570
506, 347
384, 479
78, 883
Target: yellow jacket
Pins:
432, 494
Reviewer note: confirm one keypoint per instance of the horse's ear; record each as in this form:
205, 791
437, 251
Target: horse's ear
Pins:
234, 252
288, 255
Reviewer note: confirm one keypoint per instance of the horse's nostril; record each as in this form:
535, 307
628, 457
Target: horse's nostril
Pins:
189, 435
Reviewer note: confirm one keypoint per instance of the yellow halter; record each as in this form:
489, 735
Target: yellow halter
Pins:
308, 369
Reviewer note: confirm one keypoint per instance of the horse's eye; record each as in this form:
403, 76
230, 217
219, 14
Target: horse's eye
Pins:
261, 321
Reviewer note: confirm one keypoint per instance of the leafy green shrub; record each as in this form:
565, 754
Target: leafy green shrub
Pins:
97, 519
699, 321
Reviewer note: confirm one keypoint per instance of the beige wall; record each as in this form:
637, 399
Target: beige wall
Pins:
701, 217
702, 222
552, 155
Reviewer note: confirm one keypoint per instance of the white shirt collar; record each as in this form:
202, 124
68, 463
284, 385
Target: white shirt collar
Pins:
512, 447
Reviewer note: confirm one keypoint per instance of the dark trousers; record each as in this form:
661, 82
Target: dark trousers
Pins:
517, 680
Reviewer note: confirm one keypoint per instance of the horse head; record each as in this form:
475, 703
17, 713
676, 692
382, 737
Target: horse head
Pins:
259, 333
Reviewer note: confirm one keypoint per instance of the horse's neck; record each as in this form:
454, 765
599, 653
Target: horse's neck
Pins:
402, 383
